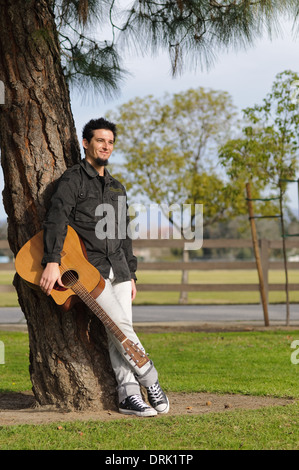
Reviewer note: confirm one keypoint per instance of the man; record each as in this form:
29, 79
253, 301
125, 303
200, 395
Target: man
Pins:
82, 192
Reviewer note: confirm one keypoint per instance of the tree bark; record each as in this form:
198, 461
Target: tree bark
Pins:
69, 362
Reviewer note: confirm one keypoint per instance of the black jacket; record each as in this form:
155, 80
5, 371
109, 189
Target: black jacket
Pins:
96, 207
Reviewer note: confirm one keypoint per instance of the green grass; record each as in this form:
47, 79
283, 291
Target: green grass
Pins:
14, 374
214, 277
251, 363
204, 277
6, 277
254, 363
275, 428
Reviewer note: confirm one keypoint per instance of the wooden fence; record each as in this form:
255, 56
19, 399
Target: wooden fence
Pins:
265, 249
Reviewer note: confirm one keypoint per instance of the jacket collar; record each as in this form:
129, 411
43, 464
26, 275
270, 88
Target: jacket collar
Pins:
92, 172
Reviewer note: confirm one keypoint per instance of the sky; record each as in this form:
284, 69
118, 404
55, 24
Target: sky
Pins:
246, 75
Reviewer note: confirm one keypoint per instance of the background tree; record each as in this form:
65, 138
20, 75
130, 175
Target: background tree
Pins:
267, 153
69, 363
169, 147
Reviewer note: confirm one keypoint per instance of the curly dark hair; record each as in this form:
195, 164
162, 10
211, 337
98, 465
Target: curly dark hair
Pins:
95, 124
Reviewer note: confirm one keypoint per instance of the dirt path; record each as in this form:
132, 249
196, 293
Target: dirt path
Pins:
19, 408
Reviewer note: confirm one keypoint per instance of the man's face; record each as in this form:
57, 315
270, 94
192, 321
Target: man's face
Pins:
100, 147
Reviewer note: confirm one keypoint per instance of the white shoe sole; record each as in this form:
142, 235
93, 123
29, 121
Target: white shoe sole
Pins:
146, 414
163, 408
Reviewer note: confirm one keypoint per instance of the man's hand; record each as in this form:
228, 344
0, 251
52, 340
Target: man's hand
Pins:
50, 276
134, 289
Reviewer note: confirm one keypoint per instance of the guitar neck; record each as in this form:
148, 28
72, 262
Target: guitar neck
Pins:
92, 304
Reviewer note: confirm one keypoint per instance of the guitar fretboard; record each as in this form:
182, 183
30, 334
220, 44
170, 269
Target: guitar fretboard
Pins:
93, 305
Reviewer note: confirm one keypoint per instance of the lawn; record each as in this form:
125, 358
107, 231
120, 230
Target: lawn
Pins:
248, 363
214, 277
203, 277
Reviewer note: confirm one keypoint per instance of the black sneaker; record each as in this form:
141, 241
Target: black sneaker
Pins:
157, 398
134, 405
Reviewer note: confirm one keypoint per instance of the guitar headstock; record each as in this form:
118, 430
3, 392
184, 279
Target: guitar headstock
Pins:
135, 353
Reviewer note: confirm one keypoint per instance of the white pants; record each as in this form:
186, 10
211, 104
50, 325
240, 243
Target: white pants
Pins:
116, 301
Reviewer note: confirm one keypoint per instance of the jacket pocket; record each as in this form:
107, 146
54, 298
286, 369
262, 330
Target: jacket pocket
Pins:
118, 200
87, 203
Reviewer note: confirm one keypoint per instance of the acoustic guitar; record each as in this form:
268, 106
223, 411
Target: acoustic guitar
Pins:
81, 280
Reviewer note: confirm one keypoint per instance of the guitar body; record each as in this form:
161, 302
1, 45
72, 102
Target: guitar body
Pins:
81, 280
73, 260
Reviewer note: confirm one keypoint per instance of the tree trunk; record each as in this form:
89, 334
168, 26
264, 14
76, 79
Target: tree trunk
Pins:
69, 362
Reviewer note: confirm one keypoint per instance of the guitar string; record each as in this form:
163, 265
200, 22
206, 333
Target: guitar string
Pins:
92, 304
88, 299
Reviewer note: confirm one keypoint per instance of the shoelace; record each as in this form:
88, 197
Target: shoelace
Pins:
156, 392
137, 400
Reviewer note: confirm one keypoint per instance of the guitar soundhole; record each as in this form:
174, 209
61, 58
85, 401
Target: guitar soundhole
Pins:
69, 278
